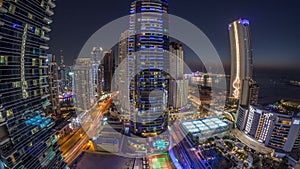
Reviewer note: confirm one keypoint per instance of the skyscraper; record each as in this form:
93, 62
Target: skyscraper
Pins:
122, 73
85, 93
241, 57
53, 86
26, 136
178, 84
176, 61
276, 127
148, 66
62, 75
108, 65
97, 54
123, 46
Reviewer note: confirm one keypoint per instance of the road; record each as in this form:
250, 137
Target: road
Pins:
253, 144
188, 157
79, 141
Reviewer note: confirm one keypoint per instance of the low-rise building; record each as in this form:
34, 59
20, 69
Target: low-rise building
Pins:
202, 129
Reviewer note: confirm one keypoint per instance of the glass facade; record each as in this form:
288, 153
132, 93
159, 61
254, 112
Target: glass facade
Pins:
241, 56
27, 139
148, 62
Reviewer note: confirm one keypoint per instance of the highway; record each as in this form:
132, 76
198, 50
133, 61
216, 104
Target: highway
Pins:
79, 141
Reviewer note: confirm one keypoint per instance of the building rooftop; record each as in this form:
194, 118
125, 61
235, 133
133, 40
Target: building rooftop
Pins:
102, 160
205, 125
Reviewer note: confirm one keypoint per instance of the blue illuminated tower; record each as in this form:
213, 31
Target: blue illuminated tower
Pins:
27, 137
148, 46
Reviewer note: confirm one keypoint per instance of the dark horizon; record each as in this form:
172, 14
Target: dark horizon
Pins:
274, 30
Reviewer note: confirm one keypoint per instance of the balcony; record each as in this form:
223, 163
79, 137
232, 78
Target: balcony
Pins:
51, 4
2, 23
47, 20
44, 57
45, 38
44, 47
49, 12
43, 66
3, 10
47, 29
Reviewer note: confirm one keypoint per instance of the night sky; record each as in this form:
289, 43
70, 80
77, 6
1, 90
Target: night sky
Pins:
275, 26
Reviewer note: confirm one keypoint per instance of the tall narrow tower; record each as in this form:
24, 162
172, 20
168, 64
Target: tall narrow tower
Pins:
148, 63
241, 56
178, 85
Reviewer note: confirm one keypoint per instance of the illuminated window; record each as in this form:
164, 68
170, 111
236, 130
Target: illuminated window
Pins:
9, 113
42, 33
37, 31
12, 8
41, 62
3, 60
48, 143
42, 3
33, 62
35, 130
1, 3
16, 84
1, 117
30, 16
34, 82
35, 93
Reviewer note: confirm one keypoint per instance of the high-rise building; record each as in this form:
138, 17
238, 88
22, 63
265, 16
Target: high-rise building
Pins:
97, 54
53, 85
62, 75
148, 66
123, 46
26, 136
284, 133
176, 60
85, 93
249, 92
241, 119
122, 74
253, 93
108, 65
241, 57
274, 127
69, 78
178, 84
242, 85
